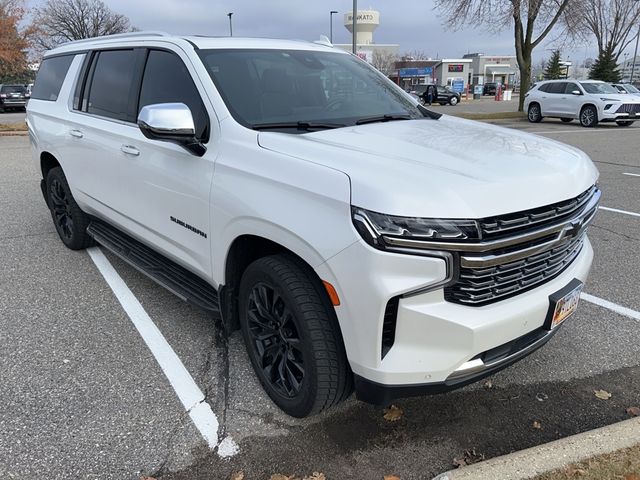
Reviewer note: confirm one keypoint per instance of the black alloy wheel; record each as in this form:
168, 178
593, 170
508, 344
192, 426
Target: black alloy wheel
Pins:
534, 114
276, 340
60, 210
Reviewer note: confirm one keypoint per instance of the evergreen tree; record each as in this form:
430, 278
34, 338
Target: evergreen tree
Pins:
605, 68
554, 70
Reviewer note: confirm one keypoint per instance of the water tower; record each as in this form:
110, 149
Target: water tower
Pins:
367, 22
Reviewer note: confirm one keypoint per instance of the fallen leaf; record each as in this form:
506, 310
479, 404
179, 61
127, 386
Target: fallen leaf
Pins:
602, 394
573, 471
316, 476
536, 424
633, 411
631, 476
488, 384
237, 476
391, 477
469, 457
393, 414
279, 476
541, 397
459, 462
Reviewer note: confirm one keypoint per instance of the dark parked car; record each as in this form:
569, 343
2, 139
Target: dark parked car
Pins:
445, 94
490, 88
13, 96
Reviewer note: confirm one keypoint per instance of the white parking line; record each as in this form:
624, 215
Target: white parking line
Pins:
614, 307
632, 174
586, 130
619, 211
182, 382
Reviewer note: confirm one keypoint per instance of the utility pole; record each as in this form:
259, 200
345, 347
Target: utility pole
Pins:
635, 55
354, 25
331, 25
230, 24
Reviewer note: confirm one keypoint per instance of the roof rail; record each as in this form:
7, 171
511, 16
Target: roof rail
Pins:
118, 36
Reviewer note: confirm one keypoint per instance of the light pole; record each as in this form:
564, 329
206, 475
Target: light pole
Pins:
230, 24
331, 25
354, 25
635, 55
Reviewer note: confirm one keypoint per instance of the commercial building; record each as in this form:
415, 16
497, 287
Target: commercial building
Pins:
627, 66
492, 68
453, 72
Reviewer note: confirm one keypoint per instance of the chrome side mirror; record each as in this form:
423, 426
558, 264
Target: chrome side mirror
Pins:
171, 122
576, 92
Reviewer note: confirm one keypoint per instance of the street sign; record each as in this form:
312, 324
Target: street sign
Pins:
457, 86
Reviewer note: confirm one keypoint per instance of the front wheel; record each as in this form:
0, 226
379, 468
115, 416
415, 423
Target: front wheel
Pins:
70, 222
589, 116
453, 101
624, 123
292, 336
534, 114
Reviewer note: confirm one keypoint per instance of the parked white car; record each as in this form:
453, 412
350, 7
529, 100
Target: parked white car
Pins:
627, 88
354, 236
589, 101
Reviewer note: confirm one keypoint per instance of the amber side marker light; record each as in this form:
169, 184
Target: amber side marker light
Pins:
333, 295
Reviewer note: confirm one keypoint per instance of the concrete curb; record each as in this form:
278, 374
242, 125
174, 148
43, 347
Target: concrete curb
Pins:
18, 133
553, 455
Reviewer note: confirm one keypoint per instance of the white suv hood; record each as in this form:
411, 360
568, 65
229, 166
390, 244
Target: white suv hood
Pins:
447, 168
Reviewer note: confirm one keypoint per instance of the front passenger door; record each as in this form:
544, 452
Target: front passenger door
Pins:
166, 188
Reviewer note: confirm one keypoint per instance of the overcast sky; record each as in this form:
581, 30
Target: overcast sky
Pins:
411, 23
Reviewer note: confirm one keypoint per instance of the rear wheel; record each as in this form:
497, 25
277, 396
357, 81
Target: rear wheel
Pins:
567, 120
624, 123
453, 101
534, 114
589, 116
292, 336
70, 222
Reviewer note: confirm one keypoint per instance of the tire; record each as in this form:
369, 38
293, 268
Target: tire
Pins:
292, 336
589, 116
70, 222
453, 101
534, 114
624, 123
567, 120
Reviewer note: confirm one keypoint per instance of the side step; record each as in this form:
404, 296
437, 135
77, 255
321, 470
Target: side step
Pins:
170, 275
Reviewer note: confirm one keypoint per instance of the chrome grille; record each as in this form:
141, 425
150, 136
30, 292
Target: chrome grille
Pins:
521, 251
495, 227
478, 286
629, 108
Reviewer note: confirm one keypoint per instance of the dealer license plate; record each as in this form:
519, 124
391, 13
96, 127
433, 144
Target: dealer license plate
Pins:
565, 306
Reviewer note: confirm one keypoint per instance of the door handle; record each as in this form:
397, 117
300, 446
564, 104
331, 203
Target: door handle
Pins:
130, 150
76, 133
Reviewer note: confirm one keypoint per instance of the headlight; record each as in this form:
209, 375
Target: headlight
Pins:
375, 227
609, 99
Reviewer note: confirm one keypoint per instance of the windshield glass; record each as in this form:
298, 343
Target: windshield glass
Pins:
261, 86
591, 87
632, 89
14, 89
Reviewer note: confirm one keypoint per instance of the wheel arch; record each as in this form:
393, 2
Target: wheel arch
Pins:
47, 162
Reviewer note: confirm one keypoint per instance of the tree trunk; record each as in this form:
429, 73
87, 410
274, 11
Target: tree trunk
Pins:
525, 78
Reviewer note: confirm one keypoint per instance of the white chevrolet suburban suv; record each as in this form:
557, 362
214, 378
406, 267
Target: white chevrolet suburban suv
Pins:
358, 239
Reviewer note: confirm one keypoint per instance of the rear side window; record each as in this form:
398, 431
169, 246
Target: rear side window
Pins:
167, 80
112, 79
558, 87
50, 77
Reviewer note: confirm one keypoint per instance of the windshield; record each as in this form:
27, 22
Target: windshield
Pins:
632, 89
300, 87
14, 89
592, 87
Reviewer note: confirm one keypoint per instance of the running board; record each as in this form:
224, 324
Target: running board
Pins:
175, 278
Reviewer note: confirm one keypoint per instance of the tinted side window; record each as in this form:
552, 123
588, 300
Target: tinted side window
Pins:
167, 80
110, 89
571, 87
544, 88
50, 77
557, 87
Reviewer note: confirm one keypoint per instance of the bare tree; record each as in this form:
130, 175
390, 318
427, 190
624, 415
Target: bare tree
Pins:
415, 55
612, 22
384, 61
531, 20
59, 21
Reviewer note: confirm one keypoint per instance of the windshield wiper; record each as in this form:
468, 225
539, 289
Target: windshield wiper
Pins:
297, 125
382, 118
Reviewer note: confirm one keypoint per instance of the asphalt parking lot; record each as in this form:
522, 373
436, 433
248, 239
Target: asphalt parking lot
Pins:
83, 397
12, 117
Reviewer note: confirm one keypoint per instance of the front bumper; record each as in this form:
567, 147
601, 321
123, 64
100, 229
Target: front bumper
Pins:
8, 103
611, 115
433, 337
